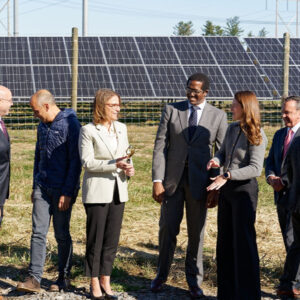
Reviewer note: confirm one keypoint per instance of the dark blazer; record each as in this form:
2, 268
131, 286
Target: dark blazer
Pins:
293, 173
275, 165
4, 168
173, 149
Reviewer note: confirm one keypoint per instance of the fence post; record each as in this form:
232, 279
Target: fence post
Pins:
74, 67
286, 65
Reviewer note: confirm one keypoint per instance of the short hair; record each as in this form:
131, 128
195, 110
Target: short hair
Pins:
293, 98
199, 77
102, 96
43, 97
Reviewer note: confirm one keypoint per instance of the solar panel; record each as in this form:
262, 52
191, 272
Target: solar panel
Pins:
57, 79
275, 75
295, 50
218, 86
48, 50
245, 78
268, 51
120, 50
192, 51
131, 81
14, 50
92, 78
157, 50
17, 79
168, 81
228, 50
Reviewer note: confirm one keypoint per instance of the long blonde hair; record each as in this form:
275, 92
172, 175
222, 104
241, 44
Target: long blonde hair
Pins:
250, 121
102, 96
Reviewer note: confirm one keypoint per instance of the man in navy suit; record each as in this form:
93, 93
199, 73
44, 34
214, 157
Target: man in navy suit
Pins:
5, 103
276, 167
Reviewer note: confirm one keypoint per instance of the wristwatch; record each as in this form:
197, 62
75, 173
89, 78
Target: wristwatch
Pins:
226, 175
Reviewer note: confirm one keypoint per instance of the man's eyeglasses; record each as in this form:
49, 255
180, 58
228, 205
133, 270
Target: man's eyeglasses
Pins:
197, 92
113, 105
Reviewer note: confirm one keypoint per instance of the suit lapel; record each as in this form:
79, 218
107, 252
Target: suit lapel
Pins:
3, 137
295, 135
281, 143
102, 135
183, 118
120, 151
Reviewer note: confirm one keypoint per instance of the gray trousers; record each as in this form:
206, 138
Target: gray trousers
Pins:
286, 226
45, 206
169, 227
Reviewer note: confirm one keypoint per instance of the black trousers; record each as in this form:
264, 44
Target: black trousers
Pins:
237, 256
102, 235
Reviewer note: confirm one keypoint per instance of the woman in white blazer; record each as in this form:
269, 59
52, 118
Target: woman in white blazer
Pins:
102, 147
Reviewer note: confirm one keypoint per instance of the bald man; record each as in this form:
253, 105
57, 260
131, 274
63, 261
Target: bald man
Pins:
56, 175
5, 103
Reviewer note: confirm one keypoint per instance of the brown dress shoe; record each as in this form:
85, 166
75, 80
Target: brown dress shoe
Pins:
30, 285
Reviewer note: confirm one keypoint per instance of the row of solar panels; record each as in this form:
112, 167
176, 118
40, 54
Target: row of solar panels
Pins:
146, 67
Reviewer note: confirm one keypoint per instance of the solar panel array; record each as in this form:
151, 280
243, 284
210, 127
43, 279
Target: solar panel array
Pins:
268, 52
139, 68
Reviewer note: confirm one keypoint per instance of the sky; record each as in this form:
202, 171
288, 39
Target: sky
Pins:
146, 17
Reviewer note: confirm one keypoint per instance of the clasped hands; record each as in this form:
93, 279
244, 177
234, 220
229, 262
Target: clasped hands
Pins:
275, 182
126, 167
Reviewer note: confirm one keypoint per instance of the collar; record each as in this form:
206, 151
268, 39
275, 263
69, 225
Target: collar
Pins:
295, 128
201, 105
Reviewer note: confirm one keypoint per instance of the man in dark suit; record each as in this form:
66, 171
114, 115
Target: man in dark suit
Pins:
183, 146
276, 168
5, 103
290, 280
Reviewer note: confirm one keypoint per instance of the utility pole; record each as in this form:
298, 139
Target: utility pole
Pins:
84, 17
276, 20
16, 25
8, 18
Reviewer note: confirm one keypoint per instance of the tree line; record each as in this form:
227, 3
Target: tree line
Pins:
232, 28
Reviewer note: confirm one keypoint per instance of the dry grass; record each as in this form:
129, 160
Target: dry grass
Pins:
137, 255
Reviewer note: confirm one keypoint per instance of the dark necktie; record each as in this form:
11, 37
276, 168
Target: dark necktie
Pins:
193, 121
4, 129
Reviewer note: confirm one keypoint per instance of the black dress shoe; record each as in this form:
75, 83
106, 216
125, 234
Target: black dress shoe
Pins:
196, 292
108, 296
95, 297
156, 285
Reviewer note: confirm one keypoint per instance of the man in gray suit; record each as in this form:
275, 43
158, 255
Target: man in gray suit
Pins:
276, 166
290, 280
5, 103
183, 146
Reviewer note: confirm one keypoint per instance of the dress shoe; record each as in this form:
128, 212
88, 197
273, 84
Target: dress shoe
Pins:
156, 285
30, 285
285, 292
94, 297
108, 296
61, 283
196, 292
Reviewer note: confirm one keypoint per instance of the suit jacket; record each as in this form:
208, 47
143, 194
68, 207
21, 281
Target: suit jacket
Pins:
276, 164
173, 149
99, 163
4, 167
243, 160
293, 173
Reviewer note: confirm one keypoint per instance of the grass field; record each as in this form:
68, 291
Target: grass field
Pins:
137, 255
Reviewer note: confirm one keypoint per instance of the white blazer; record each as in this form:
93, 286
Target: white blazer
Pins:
99, 164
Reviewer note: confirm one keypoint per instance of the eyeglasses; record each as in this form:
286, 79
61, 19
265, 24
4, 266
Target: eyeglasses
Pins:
8, 100
113, 105
197, 92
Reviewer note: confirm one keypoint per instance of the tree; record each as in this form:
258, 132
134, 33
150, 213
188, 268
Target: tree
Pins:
263, 32
184, 28
250, 34
209, 29
233, 27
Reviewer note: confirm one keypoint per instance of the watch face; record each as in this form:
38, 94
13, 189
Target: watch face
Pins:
226, 175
